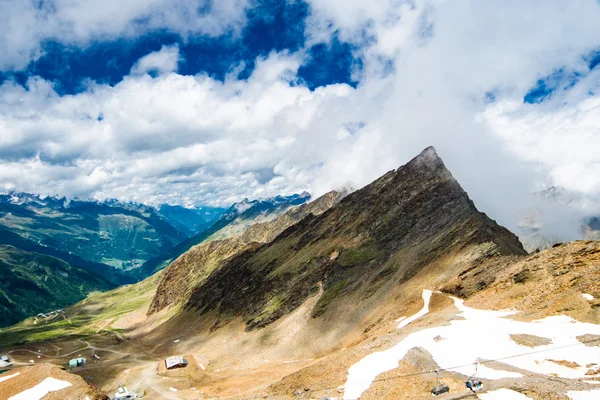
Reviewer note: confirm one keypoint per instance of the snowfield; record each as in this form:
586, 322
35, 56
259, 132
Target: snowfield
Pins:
7, 377
584, 395
484, 335
503, 394
41, 389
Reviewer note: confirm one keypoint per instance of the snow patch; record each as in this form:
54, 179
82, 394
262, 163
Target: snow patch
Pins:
491, 373
503, 394
5, 378
584, 395
423, 311
41, 389
588, 296
484, 335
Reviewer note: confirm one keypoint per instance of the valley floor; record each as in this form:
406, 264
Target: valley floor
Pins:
553, 358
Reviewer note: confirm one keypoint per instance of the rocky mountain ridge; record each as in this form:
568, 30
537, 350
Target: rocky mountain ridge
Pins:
361, 247
231, 223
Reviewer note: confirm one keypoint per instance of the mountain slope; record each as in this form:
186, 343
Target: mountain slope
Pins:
123, 235
113, 275
31, 283
193, 267
375, 238
232, 223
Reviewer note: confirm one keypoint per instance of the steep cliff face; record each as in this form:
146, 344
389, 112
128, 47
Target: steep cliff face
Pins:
192, 268
376, 237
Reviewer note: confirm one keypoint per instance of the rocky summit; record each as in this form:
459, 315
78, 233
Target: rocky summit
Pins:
372, 241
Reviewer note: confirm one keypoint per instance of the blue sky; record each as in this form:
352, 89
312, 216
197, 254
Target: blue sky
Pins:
203, 102
272, 25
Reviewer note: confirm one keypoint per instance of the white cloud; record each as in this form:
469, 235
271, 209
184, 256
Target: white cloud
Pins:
427, 68
164, 60
202, 139
24, 24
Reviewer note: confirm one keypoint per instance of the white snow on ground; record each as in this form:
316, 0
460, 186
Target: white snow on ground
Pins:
423, 311
41, 389
584, 395
490, 373
503, 394
485, 335
7, 377
588, 296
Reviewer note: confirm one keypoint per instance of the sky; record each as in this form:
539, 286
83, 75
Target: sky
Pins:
199, 102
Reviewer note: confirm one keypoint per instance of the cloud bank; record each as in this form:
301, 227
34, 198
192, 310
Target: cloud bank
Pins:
442, 73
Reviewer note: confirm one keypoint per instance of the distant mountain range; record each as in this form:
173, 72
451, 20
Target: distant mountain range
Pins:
232, 223
190, 221
121, 235
104, 244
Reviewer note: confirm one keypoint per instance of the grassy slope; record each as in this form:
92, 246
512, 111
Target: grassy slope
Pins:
31, 283
86, 317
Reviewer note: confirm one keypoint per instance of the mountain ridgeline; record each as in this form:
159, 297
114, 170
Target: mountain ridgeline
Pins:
416, 220
232, 223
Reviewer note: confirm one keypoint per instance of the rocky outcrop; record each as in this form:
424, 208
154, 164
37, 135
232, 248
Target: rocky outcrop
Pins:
550, 282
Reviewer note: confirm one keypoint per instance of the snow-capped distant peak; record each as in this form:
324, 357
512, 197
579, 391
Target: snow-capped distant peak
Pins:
243, 205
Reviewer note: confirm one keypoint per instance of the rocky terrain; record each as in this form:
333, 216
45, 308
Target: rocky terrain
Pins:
364, 296
25, 380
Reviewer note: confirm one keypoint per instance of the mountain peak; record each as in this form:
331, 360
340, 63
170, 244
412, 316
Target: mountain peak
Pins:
428, 157
410, 221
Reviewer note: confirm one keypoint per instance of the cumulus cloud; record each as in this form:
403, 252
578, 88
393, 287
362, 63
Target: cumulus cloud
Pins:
164, 60
25, 25
170, 138
448, 74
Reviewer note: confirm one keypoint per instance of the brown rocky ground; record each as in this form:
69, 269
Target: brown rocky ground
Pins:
542, 284
30, 376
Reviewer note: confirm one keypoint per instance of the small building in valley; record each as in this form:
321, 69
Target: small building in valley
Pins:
175, 362
5, 361
77, 362
124, 393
